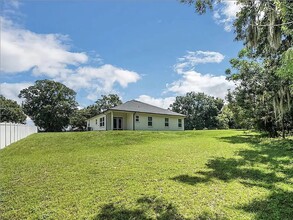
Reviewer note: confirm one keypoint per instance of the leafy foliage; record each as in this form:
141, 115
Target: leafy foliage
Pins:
265, 26
49, 104
201, 6
107, 102
201, 110
10, 111
226, 119
79, 117
263, 97
286, 68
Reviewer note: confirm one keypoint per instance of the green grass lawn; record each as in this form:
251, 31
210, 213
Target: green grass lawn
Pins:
147, 175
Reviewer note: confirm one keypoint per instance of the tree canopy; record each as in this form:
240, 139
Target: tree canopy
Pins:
79, 117
10, 111
49, 104
263, 70
200, 109
107, 101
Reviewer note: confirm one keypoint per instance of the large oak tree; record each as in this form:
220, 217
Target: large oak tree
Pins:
10, 111
49, 104
200, 109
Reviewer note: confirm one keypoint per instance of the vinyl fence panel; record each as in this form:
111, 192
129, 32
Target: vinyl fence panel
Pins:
11, 132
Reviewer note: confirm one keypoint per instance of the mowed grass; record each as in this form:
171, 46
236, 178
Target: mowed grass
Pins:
147, 175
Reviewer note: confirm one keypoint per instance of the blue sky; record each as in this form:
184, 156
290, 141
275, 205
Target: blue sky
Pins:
148, 50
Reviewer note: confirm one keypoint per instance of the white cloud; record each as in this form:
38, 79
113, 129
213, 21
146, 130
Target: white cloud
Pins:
9, 8
160, 102
225, 13
48, 55
191, 80
192, 58
11, 4
11, 90
99, 80
108, 75
44, 54
209, 84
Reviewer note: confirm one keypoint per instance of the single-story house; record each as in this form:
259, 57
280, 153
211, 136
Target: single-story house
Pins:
135, 115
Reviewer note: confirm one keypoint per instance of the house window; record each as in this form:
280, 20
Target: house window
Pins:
96, 121
179, 123
150, 121
166, 122
102, 122
137, 118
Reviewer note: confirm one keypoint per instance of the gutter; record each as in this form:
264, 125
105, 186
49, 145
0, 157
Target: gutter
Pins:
134, 121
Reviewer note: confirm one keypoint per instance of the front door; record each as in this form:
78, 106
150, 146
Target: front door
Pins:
117, 123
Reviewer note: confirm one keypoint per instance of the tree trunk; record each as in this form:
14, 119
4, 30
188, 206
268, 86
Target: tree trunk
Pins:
283, 128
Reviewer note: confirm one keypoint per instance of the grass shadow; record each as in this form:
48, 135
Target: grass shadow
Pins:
279, 205
147, 208
267, 164
191, 180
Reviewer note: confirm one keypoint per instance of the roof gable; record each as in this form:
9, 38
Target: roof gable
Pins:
137, 106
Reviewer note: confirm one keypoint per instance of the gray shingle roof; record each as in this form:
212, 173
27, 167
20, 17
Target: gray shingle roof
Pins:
137, 106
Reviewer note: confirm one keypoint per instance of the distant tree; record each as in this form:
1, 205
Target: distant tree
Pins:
10, 111
79, 117
240, 118
201, 110
92, 110
226, 118
107, 102
49, 104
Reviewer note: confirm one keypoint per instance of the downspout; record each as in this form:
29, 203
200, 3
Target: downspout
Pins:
133, 121
106, 121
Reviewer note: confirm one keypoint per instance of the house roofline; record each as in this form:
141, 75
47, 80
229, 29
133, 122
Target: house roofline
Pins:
181, 115
104, 113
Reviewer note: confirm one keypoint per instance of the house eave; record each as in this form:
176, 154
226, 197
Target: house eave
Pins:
118, 110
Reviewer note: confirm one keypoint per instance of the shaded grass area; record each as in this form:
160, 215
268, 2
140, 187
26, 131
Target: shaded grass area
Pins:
268, 164
147, 175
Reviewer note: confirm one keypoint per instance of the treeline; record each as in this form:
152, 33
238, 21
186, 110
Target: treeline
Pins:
263, 70
203, 112
52, 107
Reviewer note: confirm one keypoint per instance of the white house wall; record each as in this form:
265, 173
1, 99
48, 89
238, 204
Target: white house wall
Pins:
129, 121
94, 123
128, 117
158, 122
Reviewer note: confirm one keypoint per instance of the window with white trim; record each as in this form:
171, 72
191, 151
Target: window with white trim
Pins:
150, 121
166, 122
180, 123
102, 122
137, 118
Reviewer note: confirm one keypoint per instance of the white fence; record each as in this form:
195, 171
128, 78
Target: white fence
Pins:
10, 132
